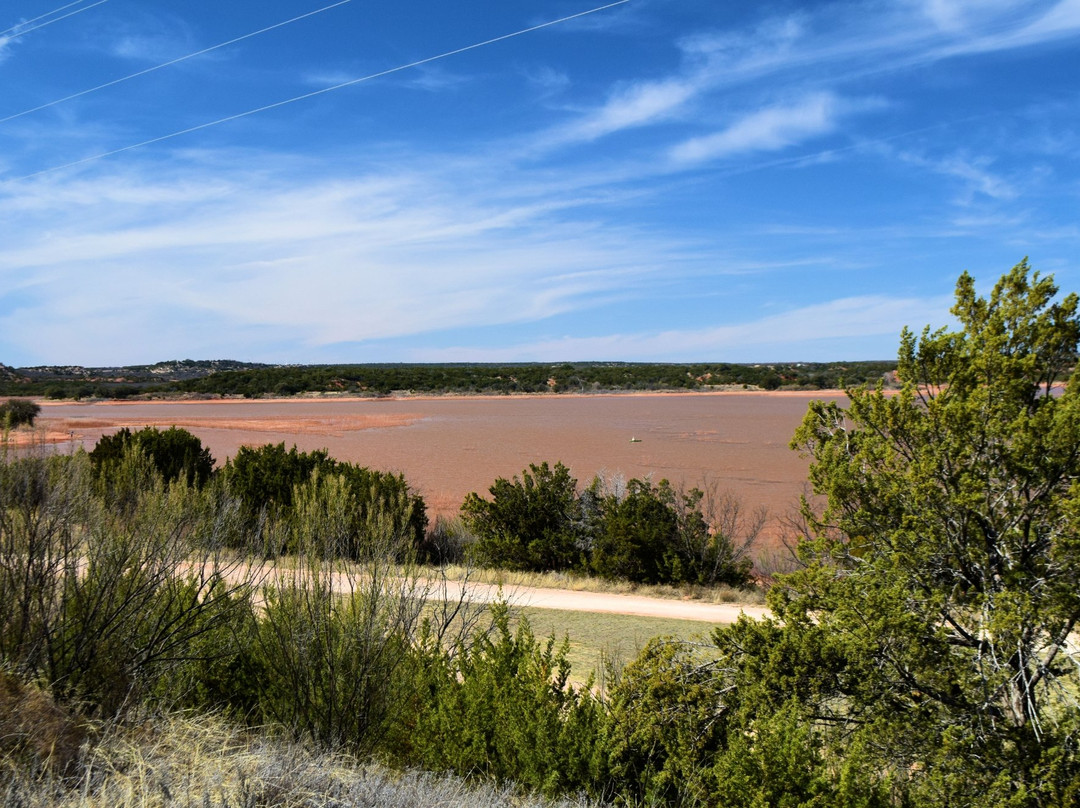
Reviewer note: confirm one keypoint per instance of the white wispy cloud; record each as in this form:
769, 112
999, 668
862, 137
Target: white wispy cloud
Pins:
767, 338
434, 78
814, 54
141, 48
547, 79
765, 129
327, 78
975, 173
638, 104
151, 35
707, 62
9, 35
999, 26
959, 15
346, 259
1061, 20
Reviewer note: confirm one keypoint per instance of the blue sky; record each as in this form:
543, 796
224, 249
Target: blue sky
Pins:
661, 180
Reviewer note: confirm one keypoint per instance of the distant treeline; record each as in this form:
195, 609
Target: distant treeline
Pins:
75, 381
221, 378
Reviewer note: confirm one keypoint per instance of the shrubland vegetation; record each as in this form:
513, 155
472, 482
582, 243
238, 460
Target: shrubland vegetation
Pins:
580, 377
73, 381
174, 453
270, 482
223, 378
16, 412
625, 530
204, 760
924, 653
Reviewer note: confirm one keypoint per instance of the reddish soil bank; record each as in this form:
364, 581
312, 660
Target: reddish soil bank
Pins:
447, 447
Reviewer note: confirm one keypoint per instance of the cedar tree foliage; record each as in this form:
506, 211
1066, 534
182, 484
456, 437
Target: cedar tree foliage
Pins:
945, 560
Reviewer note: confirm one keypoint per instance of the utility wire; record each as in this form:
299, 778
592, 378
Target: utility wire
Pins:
323, 91
170, 62
20, 31
40, 17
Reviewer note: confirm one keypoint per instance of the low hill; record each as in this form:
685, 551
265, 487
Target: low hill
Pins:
187, 378
76, 381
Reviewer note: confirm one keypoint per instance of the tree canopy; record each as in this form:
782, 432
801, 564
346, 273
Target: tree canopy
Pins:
18, 412
174, 452
530, 522
268, 479
935, 616
638, 531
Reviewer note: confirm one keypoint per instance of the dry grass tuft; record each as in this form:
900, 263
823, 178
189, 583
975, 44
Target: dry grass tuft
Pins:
510, 580
204, 762
36, 735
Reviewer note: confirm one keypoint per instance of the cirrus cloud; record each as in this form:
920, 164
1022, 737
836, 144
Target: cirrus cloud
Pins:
767, 129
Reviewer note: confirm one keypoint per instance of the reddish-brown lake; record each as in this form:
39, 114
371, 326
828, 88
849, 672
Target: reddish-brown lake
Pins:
447, 447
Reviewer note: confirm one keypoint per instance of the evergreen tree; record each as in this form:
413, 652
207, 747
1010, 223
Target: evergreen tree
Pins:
941, 579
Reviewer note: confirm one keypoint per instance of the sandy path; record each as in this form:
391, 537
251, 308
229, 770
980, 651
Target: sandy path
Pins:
602, 602
532, 597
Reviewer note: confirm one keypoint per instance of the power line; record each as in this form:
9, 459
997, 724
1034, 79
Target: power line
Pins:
323, 91
170, 62
18, 30
41, 16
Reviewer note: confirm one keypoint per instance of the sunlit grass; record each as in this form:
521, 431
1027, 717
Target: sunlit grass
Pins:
577, 582
571, 581
204, 761
596, 639
599, 638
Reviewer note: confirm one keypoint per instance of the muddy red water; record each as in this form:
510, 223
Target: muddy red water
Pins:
447, 447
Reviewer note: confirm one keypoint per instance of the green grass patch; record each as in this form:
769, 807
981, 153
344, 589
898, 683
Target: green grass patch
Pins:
595, 636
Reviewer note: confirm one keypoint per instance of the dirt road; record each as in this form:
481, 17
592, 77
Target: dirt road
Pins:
568, 600
527, 596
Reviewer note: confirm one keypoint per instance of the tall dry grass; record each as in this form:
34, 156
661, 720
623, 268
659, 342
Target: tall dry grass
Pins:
204, 761
579, 582
37, 736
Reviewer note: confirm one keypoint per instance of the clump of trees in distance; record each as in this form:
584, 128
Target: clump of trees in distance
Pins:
579, 377
76, 382
635, 531
16, 412
533, 522
227, 378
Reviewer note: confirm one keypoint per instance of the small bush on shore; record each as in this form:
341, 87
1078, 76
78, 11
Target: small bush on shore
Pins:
632, 530
17, 412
